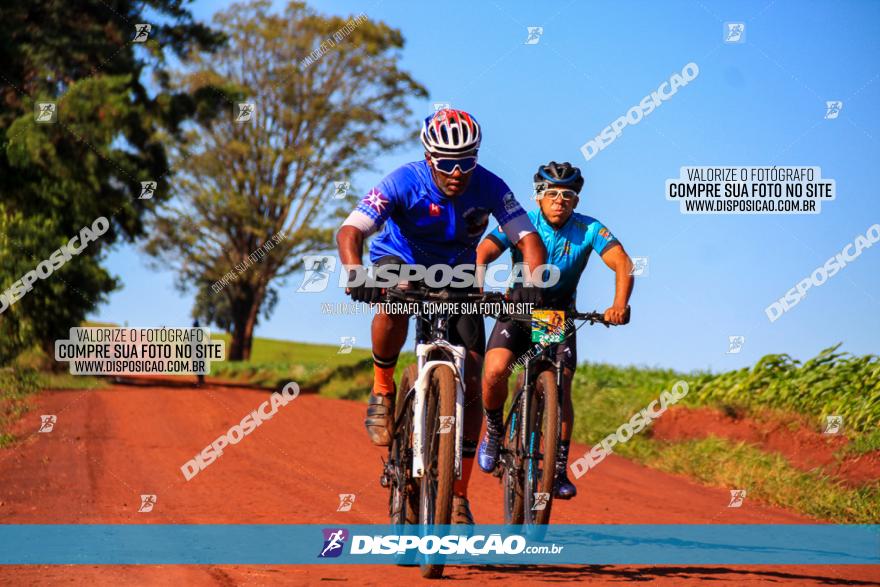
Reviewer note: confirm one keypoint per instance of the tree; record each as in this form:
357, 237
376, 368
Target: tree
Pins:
56, 178
329, 98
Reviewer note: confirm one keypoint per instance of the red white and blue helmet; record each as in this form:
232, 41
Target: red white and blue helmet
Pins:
451, 132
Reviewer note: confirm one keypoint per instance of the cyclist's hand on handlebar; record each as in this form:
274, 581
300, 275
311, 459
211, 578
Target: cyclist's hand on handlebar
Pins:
363, 292
527, 295
617, 315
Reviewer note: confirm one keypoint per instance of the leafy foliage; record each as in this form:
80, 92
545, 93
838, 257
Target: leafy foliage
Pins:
832, 383
243, 183
57, 178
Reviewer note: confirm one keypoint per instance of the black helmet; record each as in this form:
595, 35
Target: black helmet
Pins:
559, 174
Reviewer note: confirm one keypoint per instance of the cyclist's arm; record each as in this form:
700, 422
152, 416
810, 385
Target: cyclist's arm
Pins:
533, 251
617, 260
350, 242
489, 250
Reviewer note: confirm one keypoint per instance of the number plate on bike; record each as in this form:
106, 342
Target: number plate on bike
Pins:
548, 326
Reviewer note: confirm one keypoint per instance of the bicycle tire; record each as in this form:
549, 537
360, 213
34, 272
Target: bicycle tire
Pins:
439, 476
511, 463
543, 422
403, 501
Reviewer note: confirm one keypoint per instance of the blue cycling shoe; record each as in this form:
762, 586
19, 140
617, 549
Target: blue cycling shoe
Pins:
562, 487
488, 452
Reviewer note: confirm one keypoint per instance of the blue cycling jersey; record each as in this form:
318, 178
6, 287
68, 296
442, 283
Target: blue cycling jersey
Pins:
422, 225
568, 248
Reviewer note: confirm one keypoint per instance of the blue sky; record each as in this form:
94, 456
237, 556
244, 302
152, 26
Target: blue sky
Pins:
758, 103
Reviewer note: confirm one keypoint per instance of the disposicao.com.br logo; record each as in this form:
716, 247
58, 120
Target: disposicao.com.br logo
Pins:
431, 544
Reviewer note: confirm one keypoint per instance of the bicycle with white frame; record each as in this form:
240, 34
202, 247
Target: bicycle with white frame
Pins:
425, 456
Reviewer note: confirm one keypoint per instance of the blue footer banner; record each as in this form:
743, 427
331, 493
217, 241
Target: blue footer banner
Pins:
271, 544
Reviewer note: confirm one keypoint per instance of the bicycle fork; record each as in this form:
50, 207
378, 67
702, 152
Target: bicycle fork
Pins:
422, 385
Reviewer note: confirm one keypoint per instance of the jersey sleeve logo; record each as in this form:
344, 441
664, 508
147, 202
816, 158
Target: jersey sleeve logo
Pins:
605, 233
376, 200
510, 203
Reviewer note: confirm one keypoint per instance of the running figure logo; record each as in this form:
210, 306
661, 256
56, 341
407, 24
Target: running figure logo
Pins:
148, 188
833, 424
333, 542
317, 275
541, 500
147, 503
832, 109
244, 111
47, 423
141, 33
640, 267
45, 112
534, 33
341, 189
735, 344
346, 343
446, 424
346, 501
734, 32
737, 496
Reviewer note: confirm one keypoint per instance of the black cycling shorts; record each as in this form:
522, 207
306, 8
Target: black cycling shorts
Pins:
517, 338
467, 330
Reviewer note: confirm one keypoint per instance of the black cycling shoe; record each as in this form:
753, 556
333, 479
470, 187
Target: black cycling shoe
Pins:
380, 418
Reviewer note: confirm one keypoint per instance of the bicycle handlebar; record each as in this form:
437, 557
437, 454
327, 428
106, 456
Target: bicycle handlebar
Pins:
421, 294
591, 317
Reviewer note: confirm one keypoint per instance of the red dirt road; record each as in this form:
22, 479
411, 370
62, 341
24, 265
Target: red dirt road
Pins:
110, 446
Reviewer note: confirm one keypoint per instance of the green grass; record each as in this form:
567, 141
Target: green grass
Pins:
313, 366
767, 477
16, 385
606, 396
21, 381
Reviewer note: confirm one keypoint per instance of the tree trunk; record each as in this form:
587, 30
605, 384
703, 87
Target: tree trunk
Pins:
236, 345
245, 310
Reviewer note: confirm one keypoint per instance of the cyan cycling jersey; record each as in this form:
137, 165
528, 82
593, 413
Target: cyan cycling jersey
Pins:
422, 225
568, 248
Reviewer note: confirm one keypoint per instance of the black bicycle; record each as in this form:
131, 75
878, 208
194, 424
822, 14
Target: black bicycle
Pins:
527, 457
424, 458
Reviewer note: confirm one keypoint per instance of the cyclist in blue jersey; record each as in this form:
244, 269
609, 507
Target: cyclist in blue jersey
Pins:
569, 238
434, 211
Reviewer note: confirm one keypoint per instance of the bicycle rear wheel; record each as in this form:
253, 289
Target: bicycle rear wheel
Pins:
439, 475
543, 438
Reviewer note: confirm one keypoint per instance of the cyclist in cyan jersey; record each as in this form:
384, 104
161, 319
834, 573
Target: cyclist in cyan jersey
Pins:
569, 238
434, 211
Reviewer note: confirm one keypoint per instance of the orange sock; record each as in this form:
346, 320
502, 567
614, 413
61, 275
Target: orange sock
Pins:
461, 485
383, 375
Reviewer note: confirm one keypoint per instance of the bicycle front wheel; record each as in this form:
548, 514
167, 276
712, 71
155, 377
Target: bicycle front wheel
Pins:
542, 437
439, 475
